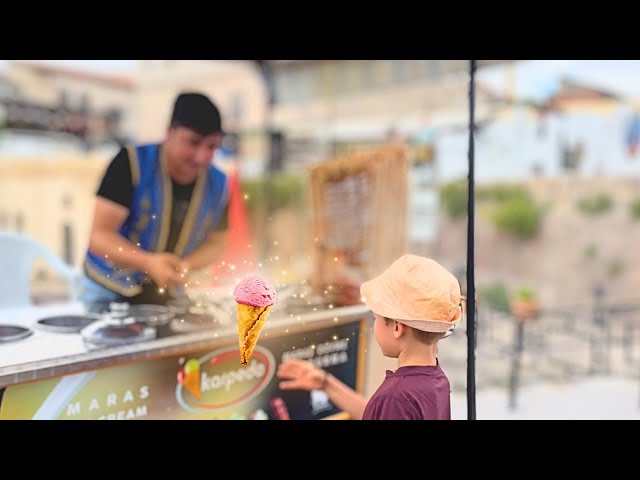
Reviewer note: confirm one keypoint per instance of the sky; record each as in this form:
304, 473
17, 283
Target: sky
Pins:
535, 79
538, 79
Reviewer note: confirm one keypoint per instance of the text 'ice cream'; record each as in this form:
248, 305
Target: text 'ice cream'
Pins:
254, 297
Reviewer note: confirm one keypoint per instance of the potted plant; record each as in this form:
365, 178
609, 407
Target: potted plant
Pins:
524, 304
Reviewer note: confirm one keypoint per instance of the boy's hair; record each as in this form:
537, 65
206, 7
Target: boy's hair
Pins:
426, 338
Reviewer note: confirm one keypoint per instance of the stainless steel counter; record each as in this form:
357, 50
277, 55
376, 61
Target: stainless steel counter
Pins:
45, 354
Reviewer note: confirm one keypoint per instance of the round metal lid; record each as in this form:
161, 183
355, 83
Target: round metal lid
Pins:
97, 307
180, 304
152, 315
66, 323
106, 333
11, 333
193, 322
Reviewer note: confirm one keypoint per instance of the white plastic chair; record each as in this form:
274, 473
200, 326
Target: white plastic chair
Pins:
17, 255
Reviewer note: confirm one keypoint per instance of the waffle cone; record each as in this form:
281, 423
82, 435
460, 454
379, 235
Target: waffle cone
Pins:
250, 322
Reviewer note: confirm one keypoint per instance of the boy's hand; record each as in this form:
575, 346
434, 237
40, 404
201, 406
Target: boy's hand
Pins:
301, 375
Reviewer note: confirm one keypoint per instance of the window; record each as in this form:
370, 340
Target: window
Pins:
316, 86
342, 76
19, 222
67, 202
328, 79
64, 98
349, 76
67, 242
356, 79
367, 73
432, 69
383, 74
453, 66
8, 91
237, 107
291, 86
399, 71
414, 69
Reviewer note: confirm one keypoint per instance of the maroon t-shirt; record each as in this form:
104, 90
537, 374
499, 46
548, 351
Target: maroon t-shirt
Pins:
411, 393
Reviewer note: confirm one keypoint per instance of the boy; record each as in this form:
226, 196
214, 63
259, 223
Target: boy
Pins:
414, 302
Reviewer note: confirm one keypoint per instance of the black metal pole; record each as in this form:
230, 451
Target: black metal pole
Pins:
267, 77
516, 361
599, 349
471, 290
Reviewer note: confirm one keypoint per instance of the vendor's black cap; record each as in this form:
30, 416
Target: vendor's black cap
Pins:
197, 112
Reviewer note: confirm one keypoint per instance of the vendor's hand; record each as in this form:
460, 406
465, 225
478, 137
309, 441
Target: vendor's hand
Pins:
300, 375
163, 269
184, 268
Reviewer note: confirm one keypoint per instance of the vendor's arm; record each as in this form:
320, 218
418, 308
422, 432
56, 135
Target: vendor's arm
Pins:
105, 239
207, 253
111, 211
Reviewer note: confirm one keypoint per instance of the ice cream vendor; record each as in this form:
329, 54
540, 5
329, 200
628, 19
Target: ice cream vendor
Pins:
160, 211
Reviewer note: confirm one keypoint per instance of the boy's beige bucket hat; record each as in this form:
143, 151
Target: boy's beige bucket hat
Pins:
415, 291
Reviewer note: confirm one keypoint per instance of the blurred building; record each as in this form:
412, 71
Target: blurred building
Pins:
326, 106
48, 180
51, 199
8, 88
579, 129
92, 106
575, 97
234, 85
59, 128
320, 106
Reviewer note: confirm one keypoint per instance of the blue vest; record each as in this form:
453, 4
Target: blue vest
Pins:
149, 219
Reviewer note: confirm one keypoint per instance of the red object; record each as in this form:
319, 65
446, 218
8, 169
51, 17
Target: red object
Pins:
239, 251
279, 409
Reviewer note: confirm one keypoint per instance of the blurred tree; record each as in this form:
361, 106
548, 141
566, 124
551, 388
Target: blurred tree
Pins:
519, 216
596, 204
634, 209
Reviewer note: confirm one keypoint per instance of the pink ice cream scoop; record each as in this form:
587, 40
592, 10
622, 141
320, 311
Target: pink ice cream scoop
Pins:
255, 291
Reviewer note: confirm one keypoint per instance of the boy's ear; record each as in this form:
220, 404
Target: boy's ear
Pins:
398, 329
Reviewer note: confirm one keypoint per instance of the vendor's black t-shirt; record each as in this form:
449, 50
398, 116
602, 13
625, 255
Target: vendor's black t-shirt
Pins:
117, 186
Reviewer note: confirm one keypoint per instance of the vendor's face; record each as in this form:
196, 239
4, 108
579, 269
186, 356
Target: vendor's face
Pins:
188, 152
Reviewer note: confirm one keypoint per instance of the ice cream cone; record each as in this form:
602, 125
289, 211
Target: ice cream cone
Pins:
250, 322
254, 297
